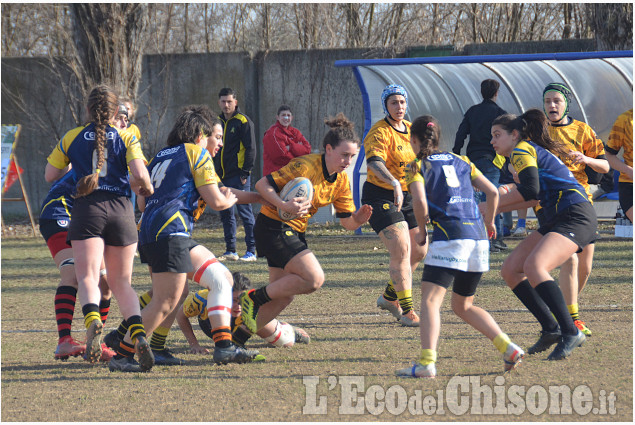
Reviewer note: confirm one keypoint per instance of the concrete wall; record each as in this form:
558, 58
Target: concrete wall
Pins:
308, 81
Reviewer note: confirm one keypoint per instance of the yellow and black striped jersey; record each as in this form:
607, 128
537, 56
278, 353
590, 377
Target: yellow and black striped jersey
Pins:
578, 136
621, 137
334, 189
392, 147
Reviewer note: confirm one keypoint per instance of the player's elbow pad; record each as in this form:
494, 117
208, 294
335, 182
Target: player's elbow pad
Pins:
529, 183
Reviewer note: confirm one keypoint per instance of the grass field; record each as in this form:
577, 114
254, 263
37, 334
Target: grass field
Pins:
354, 352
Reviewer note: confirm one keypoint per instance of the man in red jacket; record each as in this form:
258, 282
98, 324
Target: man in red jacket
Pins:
282, 142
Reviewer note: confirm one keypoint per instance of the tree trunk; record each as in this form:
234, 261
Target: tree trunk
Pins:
110, 40
612, 24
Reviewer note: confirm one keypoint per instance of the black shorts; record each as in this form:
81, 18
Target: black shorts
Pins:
50, 227
465, 283
625, 190
171, 254
277, 241
104, 215
384, 210
540, 215
578, 223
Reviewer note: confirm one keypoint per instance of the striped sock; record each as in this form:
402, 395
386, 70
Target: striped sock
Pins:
136, 327
222, 336
144, 299
122, 330
157, 341
405, 300
573, 311
104, 309
91, 313
65, 299
428, 356
389, 292
124, 350
501, 342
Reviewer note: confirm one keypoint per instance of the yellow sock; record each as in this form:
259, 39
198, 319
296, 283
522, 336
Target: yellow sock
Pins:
144, 299
428, 356
389, 292
405, 300
573, 311
157, 341
501, 341
88, 319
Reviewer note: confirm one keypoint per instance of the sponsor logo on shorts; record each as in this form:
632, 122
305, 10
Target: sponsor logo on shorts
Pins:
458, 200
288, 233
386, 206
63, 223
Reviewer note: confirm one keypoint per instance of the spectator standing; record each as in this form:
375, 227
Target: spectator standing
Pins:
233, 164
477, 122
282, 142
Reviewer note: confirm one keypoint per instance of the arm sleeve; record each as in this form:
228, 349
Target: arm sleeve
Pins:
529, 183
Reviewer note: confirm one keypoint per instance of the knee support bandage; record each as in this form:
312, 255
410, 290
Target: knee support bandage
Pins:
214, 276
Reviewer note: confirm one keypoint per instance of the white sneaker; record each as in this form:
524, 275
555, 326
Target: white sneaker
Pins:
417, 370
513, 356
520, 231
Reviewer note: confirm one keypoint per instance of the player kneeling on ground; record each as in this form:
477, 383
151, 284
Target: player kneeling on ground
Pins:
182, 173
278, 334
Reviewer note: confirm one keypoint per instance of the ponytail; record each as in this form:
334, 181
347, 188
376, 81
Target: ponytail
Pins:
533, 125
535, 128
427, 130
341, 130
102, 106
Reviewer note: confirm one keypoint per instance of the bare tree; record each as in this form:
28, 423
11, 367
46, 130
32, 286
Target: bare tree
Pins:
612, 24
218, 27
110, 41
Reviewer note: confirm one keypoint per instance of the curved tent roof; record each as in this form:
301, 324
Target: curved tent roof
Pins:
601, 82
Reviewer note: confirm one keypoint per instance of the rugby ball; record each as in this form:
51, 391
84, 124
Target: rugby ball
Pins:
300, 187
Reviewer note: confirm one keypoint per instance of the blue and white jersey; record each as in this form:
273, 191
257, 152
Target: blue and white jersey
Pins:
78, 148
59, 201
176, 173
447, 179
559, 189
